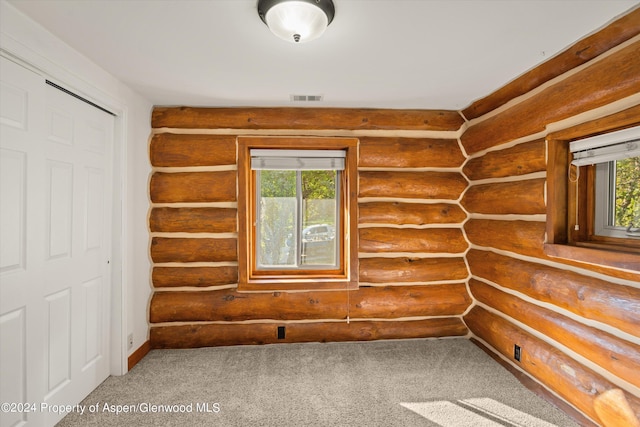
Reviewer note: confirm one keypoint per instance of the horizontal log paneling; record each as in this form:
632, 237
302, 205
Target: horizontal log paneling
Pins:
518, 197
225, 304
190, 336
412, 185
595, 299
385, 303
304, 118
597, 260
523, 237
571, 380
616, 355
409, 152
410, 213
193, 250
383, 239
579, 53
398, 270
193, 187
194, 220
184, 150
522, 159
170, 277
620, 119
527, 238
594, 86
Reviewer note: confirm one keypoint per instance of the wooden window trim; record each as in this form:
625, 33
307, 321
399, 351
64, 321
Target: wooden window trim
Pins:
318, 280
563, 240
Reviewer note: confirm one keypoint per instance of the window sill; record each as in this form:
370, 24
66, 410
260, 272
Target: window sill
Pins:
615, 257
297, 285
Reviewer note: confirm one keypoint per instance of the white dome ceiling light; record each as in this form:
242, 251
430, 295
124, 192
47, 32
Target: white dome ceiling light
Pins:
297, 21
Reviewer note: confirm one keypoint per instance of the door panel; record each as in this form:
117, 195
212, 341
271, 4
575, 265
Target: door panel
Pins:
55, 198
59, 339
14, 105
22, 204
14, 377
78, 147
12, 221
92, 308
60, 209
94, 210
60, 127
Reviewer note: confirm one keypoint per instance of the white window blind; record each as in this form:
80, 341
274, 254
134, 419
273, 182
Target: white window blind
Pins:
297, 159
605, 148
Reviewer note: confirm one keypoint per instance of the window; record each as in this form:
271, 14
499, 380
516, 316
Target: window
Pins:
611, 162
593, 194
297, 210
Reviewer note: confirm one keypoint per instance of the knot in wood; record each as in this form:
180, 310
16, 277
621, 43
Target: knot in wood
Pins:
581, 51
229, 297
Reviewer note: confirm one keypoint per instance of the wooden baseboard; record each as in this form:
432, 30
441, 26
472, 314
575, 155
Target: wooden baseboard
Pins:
539, 390
137, 355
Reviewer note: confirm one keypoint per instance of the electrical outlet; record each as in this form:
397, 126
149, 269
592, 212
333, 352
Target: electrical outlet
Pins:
130, 342
281, 332
517, 352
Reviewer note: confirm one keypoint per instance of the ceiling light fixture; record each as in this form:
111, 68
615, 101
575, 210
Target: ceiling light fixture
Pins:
297, 21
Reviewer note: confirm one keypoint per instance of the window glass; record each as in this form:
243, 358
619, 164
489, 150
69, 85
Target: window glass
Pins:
319, 218
627, 193
297, 218
618, 198
277, 219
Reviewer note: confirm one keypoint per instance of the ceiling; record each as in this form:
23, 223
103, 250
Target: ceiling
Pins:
413, 54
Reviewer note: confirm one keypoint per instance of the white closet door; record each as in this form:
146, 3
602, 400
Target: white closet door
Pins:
55, 199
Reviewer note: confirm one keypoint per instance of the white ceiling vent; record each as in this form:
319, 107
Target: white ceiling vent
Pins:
305, 98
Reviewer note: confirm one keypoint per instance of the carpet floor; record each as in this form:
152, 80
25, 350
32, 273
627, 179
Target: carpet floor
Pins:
434, 382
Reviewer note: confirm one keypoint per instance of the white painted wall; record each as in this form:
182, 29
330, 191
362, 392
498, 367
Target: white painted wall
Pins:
28, 41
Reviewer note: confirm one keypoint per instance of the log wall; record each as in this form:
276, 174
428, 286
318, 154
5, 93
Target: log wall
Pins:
410, 225
578, 324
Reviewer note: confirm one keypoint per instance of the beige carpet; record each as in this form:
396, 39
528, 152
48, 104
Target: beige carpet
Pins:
447, 382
